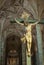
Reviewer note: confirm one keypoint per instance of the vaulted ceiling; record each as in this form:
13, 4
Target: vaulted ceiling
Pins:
36, 7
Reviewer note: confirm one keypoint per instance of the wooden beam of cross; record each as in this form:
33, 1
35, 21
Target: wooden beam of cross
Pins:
29, 21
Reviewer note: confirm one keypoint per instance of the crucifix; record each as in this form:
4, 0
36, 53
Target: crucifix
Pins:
27, 38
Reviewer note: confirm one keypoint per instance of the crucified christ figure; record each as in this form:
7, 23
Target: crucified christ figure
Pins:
28, 37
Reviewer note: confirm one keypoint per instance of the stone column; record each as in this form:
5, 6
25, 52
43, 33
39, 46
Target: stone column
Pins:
2, 47
39, 54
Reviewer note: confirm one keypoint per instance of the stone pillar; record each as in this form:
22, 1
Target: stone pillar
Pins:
0, 49
2, 53
2, 45
39, 54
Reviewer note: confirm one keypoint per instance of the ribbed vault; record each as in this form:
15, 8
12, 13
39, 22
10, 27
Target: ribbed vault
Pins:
36, 7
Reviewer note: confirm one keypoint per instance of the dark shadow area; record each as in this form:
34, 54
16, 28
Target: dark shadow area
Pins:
33, 57
13, 51
34, 46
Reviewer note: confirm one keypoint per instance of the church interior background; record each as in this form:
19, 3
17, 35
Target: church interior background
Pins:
21, 32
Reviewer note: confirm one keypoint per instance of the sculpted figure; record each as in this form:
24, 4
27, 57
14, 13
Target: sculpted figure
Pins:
28, 37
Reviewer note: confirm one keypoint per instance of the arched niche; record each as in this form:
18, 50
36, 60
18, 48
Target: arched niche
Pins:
13, 50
